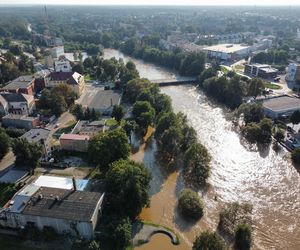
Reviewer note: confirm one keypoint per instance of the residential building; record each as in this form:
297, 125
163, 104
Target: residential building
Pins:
73, 79
74, 142
67, 211
49, 62
227, 52
104, 101
58, 51
15, 103
277, 107
40, 136
23, 84
293, 72
20, 121
261, 70
85, 127
62, 66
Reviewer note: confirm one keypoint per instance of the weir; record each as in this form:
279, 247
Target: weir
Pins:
174, 82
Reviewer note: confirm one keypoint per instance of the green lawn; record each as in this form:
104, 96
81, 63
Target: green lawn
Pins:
272, 86
111, 122
6, 192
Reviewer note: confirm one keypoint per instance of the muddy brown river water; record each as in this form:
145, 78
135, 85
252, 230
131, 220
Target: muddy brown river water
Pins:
265, 179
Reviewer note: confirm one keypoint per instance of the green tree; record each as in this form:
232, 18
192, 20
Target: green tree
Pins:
127, 186
209, 241
118, 113
279, 135
143, 113
296, 155
4, 144
27, 154
190, 205
79, 68
243, 237
105, 148
135, 87
77, 111
295, 117
256, 87
197, 164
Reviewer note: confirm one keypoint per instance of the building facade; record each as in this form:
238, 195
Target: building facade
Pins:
74, 142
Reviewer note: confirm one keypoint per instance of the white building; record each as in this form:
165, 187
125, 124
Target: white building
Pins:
67, 211
227, 52
293, 72
58, 51
62, 66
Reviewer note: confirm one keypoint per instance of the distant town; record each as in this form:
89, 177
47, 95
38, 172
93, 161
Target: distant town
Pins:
102, 117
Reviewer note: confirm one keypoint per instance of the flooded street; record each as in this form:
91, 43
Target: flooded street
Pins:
267, 180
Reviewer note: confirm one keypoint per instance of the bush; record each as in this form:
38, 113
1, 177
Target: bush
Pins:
243, 237
4, 144
209, 241
190, 205
296, 155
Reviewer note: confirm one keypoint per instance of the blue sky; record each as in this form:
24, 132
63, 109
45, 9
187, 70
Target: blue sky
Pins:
155, 2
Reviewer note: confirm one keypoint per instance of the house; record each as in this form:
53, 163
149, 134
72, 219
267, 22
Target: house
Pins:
57, 51
73, 79
89, 128
23, 84
16, 103
20, 121
40, 136
279, 106
74, 142
261, 70
293, 73
104, 101
227, 52
62, 66
67, 211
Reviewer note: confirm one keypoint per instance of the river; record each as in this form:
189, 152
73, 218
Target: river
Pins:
266, 179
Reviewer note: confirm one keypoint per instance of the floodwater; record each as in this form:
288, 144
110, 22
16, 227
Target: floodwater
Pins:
265, 179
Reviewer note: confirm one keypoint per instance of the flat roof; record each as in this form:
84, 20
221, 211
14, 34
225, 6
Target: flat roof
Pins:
36, 135
226, 48
63, 204
20, 82
105, 99
282, 104
74, 137
19, 117
60, 182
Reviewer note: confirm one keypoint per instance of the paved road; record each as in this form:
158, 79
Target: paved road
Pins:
7, 162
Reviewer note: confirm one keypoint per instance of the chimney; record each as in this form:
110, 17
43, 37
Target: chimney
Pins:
74, 183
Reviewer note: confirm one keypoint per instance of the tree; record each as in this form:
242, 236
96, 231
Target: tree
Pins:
118, 113
295, 117
27, 154
143, 113
243, 237
77, 111
135, 87
78, 68
105, 148
209, 241
127, 185
197, 164
116, 233
94, 245
279, 135
296, 155
190, 205
4, 144
256, 87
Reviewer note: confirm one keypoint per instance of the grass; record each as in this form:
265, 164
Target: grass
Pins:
69, 126
224, 70
272, 86
239, 68
7, 190
88, 77
111, 122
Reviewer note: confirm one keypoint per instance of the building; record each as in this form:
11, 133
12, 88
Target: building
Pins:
73, 79
23, 84
74, 142
40, 136
281, 106
260, 70
20, 121
89, 128
62, 66
227, 52
57, 51
66, 211
15, 103
293, 72
104, 101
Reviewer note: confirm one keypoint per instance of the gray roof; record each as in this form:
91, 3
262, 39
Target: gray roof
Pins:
36, 135
63, 204
282, 104
105, 99
13, 97
20, 82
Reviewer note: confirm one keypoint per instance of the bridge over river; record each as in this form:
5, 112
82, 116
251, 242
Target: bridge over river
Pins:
174, 82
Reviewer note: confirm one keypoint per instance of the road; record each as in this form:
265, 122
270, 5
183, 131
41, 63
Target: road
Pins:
7, 162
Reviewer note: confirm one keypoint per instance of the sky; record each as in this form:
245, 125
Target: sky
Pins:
153, 2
